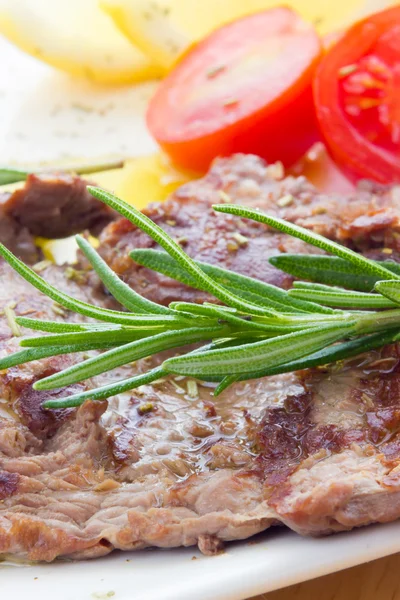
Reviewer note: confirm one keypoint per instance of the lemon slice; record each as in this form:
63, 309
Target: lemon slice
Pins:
143, 180
75, 36
148, 25
163, 29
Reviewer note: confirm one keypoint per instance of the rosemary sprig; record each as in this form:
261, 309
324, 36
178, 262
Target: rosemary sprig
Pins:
348, 304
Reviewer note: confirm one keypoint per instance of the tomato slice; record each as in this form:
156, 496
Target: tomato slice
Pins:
357, 98
247, 87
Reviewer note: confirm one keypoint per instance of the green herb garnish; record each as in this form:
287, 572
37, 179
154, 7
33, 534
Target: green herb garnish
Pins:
351, 305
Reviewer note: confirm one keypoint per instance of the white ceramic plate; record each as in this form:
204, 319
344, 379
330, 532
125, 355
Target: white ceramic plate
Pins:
45, 116
276, 559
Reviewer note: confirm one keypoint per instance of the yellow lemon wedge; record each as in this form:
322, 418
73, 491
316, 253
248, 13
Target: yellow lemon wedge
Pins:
163, 29
143, 180
77, 37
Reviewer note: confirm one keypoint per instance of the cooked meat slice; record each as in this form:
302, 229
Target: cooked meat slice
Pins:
55, 206
367, 218
168, 465
16, 238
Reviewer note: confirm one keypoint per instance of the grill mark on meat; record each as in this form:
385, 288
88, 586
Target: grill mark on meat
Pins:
330, 438
8, 484
42, 422
290, 434
281, 438
316, 450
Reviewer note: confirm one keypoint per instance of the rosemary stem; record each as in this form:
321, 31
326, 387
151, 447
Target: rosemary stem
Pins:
14, 175
378, 321
314, 318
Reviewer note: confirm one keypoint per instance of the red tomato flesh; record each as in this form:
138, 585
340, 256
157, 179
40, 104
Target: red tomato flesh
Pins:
247, 87
357, 98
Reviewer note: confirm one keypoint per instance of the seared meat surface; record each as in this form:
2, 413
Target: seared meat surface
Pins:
169, 465
367, 219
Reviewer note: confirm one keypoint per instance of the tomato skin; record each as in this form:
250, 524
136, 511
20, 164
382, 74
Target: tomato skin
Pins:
241, 109
349, 139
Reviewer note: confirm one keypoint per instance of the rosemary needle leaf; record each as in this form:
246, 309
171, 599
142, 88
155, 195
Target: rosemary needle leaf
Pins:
389, 289
106, 391
129, 353
258, 355
225, 383
308, 285
165, 241
329, 270
248, 288
394, 267
25, 356
62, 327
360, 263
343, 299
120, 290
121, 336
9, 175
13, 175
225, 316
313, 319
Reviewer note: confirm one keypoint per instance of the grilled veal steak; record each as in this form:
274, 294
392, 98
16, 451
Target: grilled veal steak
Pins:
366, 219
166, 465
50, 206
